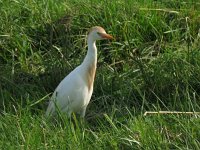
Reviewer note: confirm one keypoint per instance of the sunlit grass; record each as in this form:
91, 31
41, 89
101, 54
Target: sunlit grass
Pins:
153, 64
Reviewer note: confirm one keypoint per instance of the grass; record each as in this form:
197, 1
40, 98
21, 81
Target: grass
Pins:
152, 65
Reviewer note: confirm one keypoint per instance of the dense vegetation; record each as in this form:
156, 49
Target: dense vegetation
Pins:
153, 64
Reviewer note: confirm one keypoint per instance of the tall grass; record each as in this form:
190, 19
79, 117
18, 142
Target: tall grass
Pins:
153, 64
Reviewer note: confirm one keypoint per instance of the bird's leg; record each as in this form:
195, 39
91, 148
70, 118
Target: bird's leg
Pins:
82, 115
69, 114
82, 112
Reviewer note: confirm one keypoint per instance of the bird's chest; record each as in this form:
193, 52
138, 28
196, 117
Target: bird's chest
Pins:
90, 75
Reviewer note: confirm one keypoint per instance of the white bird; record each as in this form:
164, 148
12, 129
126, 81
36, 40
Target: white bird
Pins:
75, 90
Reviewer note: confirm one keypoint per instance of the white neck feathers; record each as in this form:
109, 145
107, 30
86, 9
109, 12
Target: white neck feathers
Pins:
90, 62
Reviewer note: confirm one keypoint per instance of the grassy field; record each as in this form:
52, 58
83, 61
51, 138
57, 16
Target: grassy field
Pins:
153, 64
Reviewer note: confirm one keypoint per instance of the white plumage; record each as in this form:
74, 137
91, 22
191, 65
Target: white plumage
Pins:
75, 90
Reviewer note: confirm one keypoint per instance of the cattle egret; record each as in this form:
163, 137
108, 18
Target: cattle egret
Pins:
75, 90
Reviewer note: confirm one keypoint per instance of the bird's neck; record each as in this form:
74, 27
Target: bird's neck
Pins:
89, 63
91, 57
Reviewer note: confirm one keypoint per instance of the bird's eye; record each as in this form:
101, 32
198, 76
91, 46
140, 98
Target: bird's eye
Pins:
98, 33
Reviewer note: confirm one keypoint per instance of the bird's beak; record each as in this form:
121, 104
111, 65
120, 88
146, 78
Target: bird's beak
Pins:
106, 36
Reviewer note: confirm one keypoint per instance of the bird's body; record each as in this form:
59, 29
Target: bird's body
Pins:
75, 90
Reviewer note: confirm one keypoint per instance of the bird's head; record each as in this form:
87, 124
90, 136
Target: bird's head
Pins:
98, 33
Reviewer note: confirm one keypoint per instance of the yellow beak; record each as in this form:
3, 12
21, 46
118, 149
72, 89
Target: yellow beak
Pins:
106, 36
